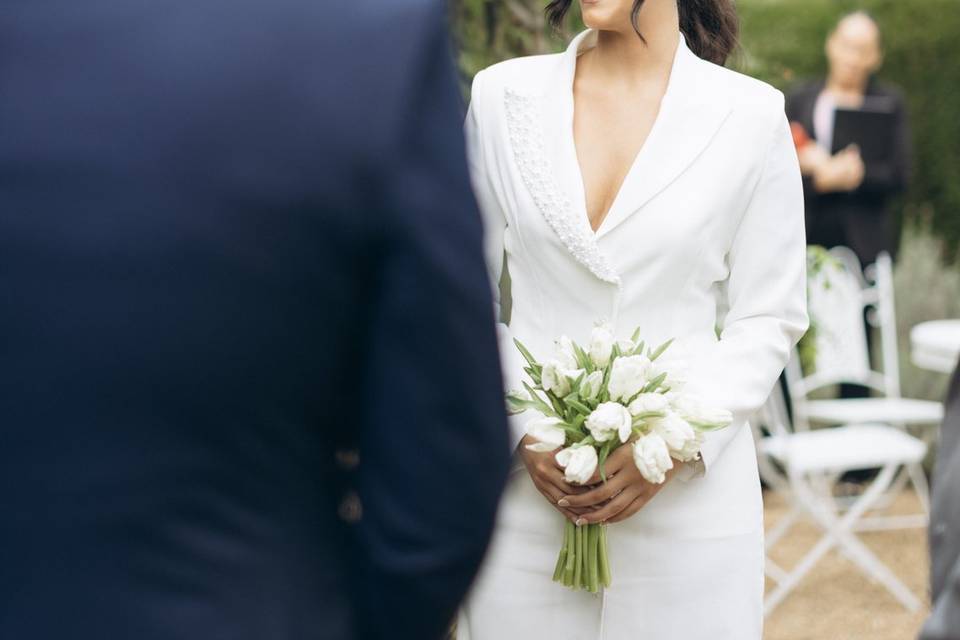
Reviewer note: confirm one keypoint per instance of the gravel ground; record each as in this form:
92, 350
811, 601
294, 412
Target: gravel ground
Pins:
836, 601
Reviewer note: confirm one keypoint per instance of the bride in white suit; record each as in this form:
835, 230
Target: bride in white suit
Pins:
632, 178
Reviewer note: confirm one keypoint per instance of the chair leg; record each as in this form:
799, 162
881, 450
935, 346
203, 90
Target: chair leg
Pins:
774, 571
919, 481
781, 528
837, 532
874, 567
789, 582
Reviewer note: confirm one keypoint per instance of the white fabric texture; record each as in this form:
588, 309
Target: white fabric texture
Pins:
706, 231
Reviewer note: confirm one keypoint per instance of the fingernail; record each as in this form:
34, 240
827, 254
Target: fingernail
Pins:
580, 522
563, 502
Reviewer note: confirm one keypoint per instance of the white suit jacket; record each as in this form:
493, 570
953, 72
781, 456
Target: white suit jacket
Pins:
706, 233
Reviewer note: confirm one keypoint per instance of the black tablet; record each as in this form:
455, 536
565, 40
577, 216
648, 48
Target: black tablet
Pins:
870, 127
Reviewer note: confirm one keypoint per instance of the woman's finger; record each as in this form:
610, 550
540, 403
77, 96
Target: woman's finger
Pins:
557, 478
599, 495
609, 510
549, 492
639, 503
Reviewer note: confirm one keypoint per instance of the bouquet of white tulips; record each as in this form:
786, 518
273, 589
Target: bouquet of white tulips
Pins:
613, 393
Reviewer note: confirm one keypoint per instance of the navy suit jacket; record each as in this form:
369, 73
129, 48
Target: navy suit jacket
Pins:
944, 621
237, 243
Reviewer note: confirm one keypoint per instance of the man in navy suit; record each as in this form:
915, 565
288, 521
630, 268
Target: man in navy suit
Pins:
944, 621
249, 386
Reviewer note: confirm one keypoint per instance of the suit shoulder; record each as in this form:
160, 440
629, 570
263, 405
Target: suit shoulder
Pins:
749, 93
758, 105
526, 72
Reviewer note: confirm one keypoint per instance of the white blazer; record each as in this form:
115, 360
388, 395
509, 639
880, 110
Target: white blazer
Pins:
706, 235
706, 232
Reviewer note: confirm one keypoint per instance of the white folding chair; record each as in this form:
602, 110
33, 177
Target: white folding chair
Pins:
838, 299
804, 467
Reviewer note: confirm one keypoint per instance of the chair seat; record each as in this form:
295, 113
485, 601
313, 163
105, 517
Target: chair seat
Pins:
886, 410
846, 448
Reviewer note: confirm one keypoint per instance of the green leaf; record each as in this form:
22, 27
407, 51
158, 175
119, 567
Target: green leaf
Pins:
583, 360
519, 405
541, 406
579, 406
636, 335
706, 427
659, 350
639, 348
602, 460
575, 385
526, 353
653, 384
557, 403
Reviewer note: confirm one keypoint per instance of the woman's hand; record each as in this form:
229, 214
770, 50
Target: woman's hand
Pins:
842, 172
624, 493
548, 478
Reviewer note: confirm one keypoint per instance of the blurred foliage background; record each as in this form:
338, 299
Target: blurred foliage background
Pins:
782, 43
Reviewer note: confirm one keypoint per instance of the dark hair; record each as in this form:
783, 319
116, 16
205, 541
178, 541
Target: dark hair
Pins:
710, 26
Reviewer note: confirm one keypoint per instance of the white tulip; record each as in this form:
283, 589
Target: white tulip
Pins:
548, 432
556, 377
609, 419
601, 345
565, 353
628, 376
652, 457
690, 450
649, 403
682, 440
579, 463
590, 388
696, 413
626, 346
516, 400
675, 363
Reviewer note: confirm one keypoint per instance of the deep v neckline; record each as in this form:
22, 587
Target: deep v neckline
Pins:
584, 207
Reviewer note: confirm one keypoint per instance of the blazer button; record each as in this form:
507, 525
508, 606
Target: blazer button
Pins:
347, 459
351, 509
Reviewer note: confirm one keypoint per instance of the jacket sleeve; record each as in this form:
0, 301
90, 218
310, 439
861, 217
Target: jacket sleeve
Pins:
765, 293
495, 226
433, 449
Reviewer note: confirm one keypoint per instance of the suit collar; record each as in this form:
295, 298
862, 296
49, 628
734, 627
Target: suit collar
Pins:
694, 107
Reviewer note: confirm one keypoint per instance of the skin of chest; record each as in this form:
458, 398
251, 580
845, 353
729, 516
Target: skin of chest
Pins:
610, 126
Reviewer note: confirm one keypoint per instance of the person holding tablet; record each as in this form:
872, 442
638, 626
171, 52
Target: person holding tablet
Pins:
853, 142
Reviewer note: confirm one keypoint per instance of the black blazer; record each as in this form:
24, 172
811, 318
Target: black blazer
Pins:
860, 219
237, 236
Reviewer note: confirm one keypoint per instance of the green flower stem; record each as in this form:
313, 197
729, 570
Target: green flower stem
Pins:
561, 561
590, 559
578, 569
583, 561
568, 542
604, 557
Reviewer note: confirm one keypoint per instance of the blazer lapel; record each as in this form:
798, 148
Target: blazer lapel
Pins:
692, 110
540, 126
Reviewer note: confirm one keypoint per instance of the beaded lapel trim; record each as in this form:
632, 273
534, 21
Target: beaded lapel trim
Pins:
526, 138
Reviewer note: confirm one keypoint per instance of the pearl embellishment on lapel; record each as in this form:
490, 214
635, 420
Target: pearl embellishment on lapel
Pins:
526, 138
